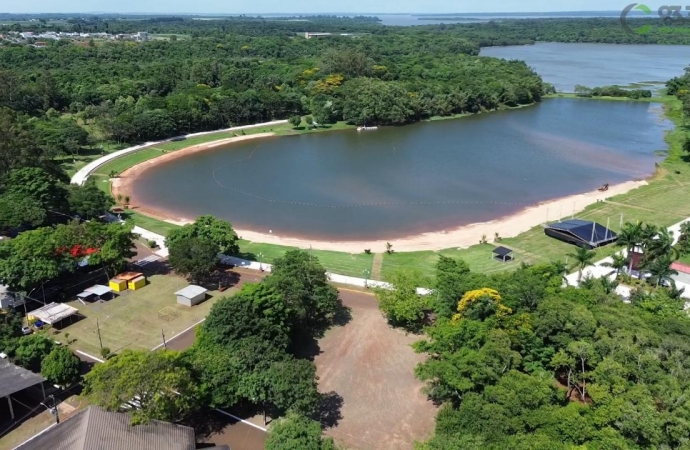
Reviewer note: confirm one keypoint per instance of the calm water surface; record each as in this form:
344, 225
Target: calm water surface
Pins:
399, 181
565, 65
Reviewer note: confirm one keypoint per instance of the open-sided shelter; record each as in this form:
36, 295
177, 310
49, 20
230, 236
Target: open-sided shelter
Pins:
503, 254
14, 379
582, 233
52, 313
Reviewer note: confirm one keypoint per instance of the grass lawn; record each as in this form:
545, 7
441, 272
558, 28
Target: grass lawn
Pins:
132, 319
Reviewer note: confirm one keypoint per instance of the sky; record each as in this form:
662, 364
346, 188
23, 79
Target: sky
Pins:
305, 6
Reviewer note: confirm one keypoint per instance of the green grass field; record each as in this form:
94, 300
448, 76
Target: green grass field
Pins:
660, 202
132, 319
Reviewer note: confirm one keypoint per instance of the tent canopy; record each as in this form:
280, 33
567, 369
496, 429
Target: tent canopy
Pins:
502, 251
53, 312
581, 232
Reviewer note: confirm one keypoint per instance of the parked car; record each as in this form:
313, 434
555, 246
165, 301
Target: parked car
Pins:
27, 330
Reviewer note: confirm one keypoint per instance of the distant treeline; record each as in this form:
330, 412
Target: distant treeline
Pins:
611, 91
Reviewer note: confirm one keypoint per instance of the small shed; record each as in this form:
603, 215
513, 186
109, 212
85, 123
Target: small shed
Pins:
191, 295
118, 285
137, 283
503, 254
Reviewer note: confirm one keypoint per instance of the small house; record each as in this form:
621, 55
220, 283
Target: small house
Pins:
191, 295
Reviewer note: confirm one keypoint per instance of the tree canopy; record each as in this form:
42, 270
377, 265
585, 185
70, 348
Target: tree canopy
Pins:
158, 381
523, 362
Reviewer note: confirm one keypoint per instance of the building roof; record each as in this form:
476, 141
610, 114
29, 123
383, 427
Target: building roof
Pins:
14, 378
191, 291
53, 312
585, 231
96, 428
98, 290
502, 251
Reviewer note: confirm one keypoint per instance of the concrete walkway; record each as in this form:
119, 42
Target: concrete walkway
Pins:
81, 176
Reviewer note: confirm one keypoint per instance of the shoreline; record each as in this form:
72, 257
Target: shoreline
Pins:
461, 237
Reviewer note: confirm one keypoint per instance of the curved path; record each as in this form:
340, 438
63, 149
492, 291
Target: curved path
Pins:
83, 173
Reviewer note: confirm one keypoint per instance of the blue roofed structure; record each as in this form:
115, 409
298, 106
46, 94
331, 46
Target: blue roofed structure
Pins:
582, 233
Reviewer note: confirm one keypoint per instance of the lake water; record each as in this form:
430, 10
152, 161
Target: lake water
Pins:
399, 181
565, 65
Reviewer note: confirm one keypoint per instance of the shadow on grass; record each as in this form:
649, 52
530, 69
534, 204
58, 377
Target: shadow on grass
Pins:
328, 412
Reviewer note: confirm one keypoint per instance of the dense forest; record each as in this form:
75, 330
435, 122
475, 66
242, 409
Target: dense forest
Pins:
520, 362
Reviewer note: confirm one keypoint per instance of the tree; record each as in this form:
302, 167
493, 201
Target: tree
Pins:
401, 304
31, 259
61, 366
36, 183
88, 201
309, 120
158, 381
31, 350
218, 232
256, 313
684, 239
296, 432
193, 257
295, 121
583, 258
292, 386
660, 269
18, 210
629, 238
10, 330
302, 282
618, 262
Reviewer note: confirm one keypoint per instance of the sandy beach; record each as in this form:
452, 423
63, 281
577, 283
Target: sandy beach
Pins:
461, 237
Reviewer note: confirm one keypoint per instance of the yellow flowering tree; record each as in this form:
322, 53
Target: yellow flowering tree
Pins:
485, 302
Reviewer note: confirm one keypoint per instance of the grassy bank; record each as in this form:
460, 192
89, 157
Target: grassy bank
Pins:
660, 202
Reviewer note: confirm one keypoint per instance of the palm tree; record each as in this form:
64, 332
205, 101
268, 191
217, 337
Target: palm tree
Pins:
618, 262
660, 246
609, 286
630, 237
583, 258
660, 269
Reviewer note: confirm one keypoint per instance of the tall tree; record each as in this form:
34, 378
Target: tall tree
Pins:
158, 382
207, 228
581, 259
61, 366
88, 201
296, 432
301, 280
192, 257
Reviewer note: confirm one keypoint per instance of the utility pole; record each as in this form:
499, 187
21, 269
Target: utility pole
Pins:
98, 330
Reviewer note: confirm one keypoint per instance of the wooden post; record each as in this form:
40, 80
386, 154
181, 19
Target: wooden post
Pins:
98, 330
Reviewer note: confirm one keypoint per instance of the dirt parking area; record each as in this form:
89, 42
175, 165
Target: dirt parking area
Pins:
368, 368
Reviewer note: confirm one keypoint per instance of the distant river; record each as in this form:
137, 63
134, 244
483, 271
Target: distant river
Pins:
565, 65
399, 181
